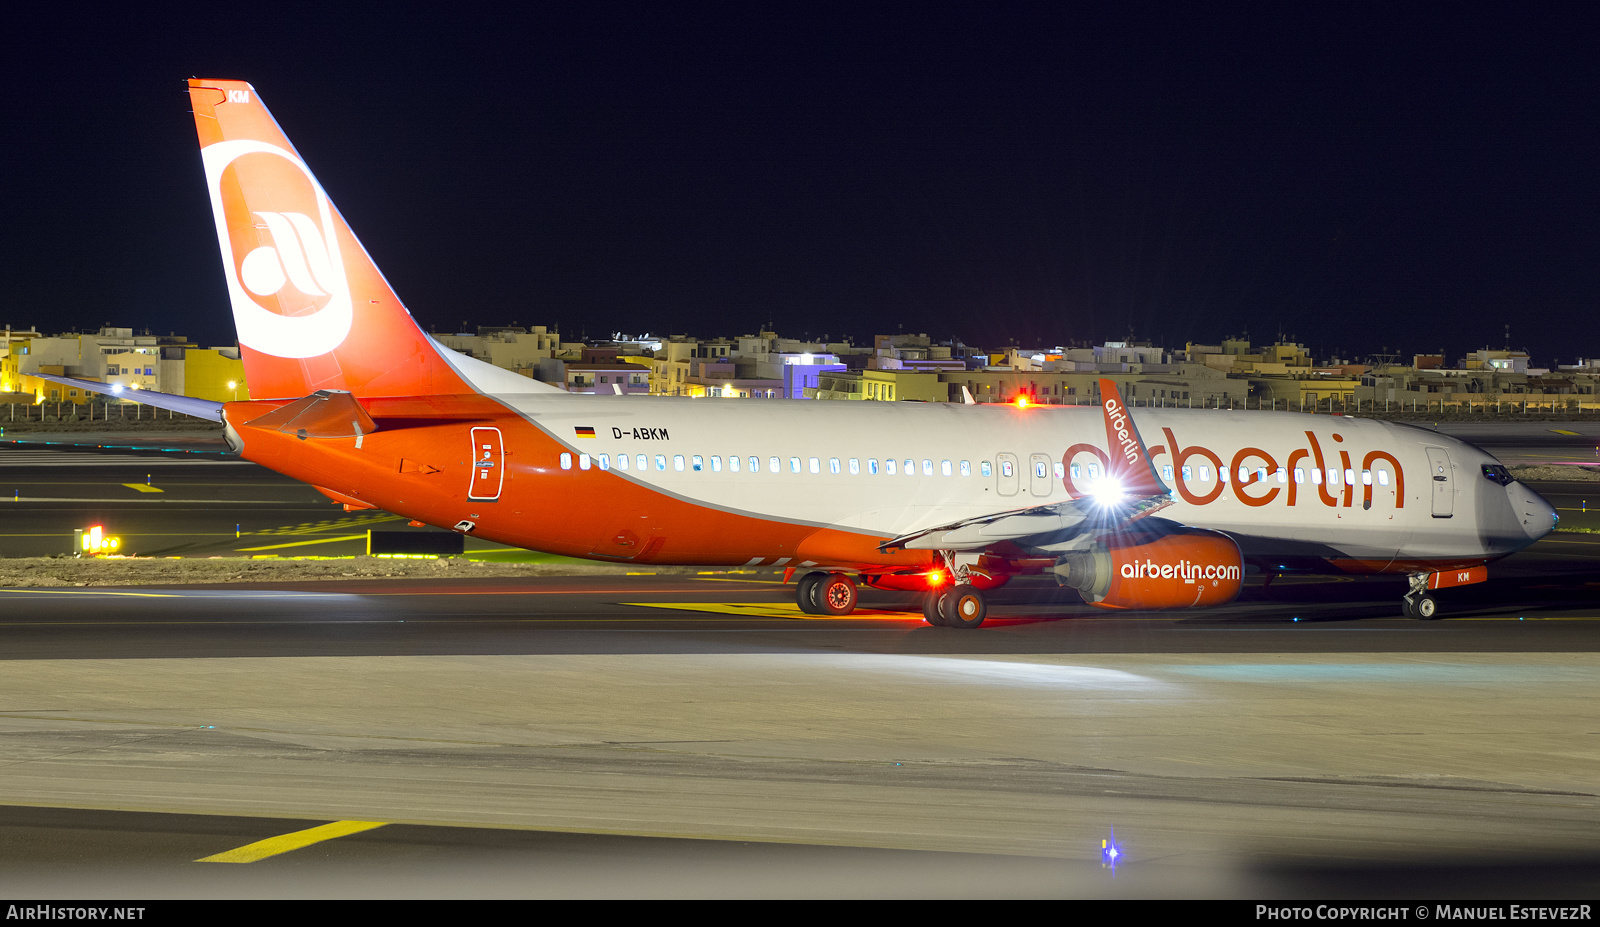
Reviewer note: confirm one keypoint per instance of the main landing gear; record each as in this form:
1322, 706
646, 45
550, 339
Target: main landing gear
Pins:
1419, 602
822, 593
961, 606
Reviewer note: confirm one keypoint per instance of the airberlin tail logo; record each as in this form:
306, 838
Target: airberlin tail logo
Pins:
297, 255
280, 250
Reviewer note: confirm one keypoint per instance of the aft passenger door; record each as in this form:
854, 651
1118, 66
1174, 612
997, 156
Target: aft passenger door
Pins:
1444, 491
488, 465
1007, 474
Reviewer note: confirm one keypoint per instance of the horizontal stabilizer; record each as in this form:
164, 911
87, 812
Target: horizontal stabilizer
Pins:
186, 405
323, 414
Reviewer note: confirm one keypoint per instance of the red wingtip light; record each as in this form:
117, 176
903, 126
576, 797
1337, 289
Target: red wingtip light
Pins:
1022, 402
936, 579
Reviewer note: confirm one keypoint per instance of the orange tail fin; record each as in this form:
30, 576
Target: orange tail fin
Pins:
311, 308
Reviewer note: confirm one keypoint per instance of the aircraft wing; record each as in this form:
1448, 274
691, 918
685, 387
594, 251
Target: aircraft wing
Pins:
1130, 490
187, 405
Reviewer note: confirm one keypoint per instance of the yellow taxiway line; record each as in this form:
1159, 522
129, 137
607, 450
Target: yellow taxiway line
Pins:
353, 537
143, 487
768, 610
272, 846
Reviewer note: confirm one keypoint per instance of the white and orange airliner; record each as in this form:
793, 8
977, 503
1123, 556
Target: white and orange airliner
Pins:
354, 398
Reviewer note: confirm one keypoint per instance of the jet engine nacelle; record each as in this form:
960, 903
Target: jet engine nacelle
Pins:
1177, 568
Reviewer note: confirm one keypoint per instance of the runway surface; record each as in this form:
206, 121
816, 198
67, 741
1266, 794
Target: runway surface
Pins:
695, 735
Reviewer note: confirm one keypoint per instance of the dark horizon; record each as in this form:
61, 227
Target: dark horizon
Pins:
1358, 183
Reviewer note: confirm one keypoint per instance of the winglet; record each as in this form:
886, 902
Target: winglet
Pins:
966, 397
1129, 460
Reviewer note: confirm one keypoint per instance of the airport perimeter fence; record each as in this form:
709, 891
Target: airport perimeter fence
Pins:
48, 412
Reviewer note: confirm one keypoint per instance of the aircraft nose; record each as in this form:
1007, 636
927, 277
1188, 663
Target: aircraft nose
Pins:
1538, 517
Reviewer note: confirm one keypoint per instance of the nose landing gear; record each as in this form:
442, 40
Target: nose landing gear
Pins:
1419, 602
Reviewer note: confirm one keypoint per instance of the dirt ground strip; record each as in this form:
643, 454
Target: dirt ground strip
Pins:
143, 571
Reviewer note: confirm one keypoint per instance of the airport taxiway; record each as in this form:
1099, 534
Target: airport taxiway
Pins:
535, 736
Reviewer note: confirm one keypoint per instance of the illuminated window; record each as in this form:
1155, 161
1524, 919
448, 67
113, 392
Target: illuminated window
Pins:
1366, 477
1244, 474
661, 462
855, 467
583, 461
1261, 474
1061, 470
1333, 477
888, 467
1316, 477
1094, 471
1166, 471
1222, 474
794, 464
1205, 474
927, 467
1383, 477
566, 461
986, 468
944, 468
733, 465
696, 463
872, 466
1188, 474
622, 461
966, 468
1005, 469
677, 462
716, 463
755, 465
603, 461
911, 468
1040, 469
1350, 477
1299, 475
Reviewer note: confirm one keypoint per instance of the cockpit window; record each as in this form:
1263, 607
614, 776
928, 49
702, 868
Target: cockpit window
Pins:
1495, 473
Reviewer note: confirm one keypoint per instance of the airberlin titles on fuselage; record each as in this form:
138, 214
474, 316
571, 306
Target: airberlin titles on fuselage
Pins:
1265, 477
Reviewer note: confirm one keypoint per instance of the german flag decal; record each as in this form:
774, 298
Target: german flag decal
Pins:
584, 431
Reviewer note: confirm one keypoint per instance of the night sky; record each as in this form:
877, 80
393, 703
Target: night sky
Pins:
1358, 182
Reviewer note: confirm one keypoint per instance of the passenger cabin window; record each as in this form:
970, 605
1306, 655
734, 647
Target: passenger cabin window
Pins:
661, 463
833, 465
716, 463
604, 461
677, 462
911, 468
855, 466
697, 463
622, 461
944, 468
566, 461
888, 467
644, 463
872, 466
987, 468
772, 464
794, 465
816, 466
966, 468
1005, 469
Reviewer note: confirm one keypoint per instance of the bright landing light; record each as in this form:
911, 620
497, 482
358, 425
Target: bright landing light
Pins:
1106, 490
